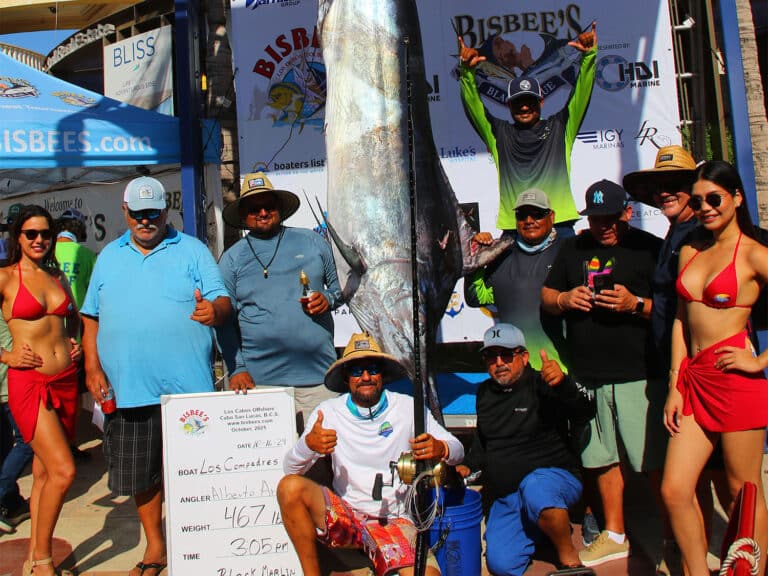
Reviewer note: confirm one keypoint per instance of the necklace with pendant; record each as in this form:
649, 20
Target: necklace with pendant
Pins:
266, 266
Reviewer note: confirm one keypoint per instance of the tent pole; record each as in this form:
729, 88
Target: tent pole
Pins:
189, 99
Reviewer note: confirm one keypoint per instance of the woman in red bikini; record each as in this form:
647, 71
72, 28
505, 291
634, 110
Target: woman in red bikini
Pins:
717, 389
42, 374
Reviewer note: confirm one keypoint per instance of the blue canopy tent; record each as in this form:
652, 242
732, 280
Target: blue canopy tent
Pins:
55, 135
48, 123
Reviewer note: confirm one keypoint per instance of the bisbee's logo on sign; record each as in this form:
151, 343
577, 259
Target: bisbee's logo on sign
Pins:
194, 422
295, 94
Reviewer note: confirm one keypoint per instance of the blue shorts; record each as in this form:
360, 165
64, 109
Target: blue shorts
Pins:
512, 530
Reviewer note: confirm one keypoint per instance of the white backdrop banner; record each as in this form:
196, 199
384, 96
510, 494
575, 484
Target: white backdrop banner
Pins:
281, 95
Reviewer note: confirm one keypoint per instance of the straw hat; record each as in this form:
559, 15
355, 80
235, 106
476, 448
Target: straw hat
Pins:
670, 161
362, 346
258, 183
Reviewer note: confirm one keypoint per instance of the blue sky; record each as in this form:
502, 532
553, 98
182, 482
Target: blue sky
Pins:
42, 42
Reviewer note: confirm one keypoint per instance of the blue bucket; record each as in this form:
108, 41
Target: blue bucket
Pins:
458, 535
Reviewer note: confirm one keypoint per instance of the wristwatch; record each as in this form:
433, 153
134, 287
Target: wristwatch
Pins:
639, 306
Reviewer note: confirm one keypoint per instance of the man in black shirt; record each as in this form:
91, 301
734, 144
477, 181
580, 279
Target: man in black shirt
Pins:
521, 446
600, 283
512, 282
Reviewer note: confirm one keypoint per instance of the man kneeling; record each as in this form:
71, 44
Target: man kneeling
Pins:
522, 449
364, 430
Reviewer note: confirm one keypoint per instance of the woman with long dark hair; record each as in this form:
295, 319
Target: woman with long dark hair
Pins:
717, 389
42, 374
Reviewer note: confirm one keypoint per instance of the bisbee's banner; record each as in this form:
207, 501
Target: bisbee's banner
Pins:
633, 111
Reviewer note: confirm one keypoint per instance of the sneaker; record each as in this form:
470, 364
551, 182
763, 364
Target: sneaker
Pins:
19, 513
5, 525
671, 562
589, 529
603, 549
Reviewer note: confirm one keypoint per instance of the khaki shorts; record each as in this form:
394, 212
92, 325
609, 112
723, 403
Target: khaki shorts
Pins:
630, 413
306, 399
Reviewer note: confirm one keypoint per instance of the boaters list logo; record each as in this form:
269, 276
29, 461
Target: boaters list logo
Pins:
294, 81
16, 88
194, 422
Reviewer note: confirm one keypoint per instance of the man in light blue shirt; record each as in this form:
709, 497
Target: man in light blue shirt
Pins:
278, 336
154, 296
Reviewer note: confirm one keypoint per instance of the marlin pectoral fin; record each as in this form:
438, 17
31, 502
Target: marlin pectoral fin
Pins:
347, 251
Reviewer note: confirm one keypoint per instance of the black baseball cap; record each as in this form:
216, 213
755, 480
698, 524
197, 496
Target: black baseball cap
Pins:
523, 86
604, 198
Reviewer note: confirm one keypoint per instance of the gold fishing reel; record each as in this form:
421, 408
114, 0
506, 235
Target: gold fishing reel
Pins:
441, 474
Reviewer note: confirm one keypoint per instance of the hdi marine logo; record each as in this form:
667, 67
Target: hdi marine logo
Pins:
295, 95
615, 73
194, 422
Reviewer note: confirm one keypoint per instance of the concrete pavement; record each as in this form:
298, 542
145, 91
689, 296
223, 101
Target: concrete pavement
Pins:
99, 534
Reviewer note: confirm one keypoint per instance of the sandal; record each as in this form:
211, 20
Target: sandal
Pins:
575, 570
29, 567
158, 566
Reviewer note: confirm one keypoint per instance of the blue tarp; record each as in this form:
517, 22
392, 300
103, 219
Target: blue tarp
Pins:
46, 123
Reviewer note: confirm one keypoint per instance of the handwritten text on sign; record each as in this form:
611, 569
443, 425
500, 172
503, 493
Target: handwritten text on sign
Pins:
223, 459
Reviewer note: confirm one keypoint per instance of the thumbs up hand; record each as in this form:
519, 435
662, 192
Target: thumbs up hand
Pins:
551, 372
204, 311
319, 439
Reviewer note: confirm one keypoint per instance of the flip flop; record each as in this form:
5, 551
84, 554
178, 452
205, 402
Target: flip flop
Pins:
579, 570
144, 566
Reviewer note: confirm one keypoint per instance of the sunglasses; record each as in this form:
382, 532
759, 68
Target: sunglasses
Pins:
357, 371
257, 208
672, 186
151, 214
713, 199
535, 213
506, 356
31, 233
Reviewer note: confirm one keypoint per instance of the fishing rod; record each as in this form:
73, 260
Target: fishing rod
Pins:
420, 561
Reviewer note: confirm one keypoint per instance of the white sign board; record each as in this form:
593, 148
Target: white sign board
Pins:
222, 459
139, 70
633, 110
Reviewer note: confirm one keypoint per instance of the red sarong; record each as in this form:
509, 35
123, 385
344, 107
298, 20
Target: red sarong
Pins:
27, 388
723, 401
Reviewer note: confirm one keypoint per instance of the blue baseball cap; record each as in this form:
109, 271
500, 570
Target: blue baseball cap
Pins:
144, 193
503, 336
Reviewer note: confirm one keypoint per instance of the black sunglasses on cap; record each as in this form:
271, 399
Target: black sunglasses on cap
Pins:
31, 234
151, 214
713, 199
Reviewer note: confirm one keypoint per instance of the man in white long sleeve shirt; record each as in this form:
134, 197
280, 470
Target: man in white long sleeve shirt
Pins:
363, 430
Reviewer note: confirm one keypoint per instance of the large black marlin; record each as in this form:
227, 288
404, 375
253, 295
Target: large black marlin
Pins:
363, 43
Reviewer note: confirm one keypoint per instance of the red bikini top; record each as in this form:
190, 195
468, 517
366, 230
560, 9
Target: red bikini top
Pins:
721, 292
26, 306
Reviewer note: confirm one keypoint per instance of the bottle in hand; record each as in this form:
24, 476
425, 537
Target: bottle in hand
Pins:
108, 403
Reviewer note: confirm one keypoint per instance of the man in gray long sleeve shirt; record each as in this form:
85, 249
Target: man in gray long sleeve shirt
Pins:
275, 339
